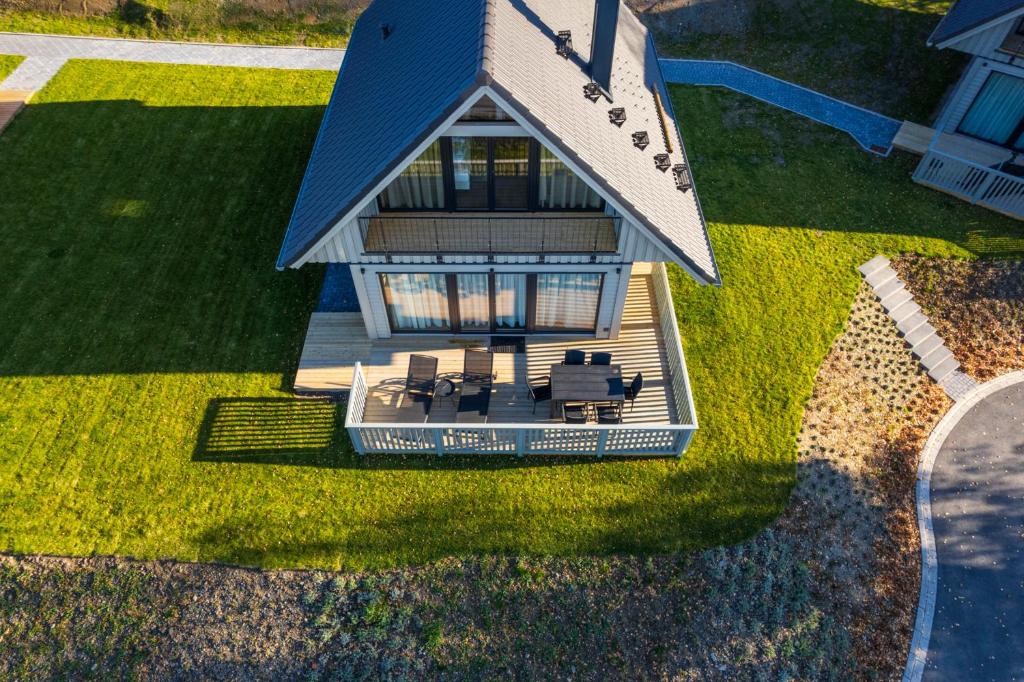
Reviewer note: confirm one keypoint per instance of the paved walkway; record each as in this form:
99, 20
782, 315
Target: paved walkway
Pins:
978, 510
874, 132
46, 54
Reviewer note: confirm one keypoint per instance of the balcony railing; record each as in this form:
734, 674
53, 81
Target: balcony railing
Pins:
433, 234
972, 182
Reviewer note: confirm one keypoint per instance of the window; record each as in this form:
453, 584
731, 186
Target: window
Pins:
470, 172
489, 302
489, 174
997, 113
568, 301
420, 186
485, 110
417, 301
560, 188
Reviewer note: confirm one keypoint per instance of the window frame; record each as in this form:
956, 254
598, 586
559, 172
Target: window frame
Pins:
533, 184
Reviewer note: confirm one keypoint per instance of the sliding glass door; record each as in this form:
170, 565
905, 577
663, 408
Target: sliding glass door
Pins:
416, 301
567, 301
492, 302
997, 113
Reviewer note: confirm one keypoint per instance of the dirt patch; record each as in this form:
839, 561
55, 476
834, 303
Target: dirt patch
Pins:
976, 306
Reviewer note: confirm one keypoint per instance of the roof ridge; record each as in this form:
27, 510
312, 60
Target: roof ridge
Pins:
487, 39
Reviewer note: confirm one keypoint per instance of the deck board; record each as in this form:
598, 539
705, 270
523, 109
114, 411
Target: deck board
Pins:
334, 344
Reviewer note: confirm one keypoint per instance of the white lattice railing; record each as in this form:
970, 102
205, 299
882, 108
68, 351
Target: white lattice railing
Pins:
673, 347
972, 182
509, 439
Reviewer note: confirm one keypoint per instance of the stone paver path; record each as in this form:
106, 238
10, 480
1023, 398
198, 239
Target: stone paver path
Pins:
977, 502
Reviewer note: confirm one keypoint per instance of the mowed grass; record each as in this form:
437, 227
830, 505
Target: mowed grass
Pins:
148, 342
8, 63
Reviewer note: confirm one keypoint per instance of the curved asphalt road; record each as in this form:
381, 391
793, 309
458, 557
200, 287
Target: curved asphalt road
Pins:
977, 493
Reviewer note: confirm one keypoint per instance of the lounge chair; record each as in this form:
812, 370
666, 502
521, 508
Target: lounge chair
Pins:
418, 396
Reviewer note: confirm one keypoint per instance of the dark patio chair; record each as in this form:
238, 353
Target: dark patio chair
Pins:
575, 413
609, 413
600, 358
634, 388
477, 382
575, 357
540, 390
421, 377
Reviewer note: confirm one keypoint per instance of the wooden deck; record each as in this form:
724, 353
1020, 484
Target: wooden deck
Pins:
11, 102
335, 343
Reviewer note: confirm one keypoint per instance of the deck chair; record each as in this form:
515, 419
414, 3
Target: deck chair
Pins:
418, 396
477, 382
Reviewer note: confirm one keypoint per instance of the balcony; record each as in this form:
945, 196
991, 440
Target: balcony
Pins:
489, 234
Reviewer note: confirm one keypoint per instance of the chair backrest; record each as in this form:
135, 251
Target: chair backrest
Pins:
574, 357
637, 384
600, 358
422, 373
477, 366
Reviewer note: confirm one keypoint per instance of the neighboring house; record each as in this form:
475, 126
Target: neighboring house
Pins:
977, 151
504, 174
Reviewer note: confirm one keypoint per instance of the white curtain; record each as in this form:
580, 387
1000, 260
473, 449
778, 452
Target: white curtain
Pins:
420, 186
510, 301
417, 301
997, 110
560, 188
568, 301
474, 301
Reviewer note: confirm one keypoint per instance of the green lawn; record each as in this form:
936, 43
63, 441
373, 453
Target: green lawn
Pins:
8, 63
192, 20
147, 336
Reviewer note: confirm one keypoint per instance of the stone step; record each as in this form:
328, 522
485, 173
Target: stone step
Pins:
880, 276
936, 357
943, 369
904, 311
930, 344
920, 334
876, 263
896, 299
911, 323
890, 287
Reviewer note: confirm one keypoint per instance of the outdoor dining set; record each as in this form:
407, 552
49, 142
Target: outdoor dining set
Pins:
578, 391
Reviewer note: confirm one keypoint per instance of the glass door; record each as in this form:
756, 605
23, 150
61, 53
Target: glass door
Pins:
470, 173
474, 301
509, 301
511, 173
416, 301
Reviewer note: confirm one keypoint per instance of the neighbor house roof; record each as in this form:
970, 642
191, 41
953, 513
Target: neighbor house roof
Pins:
392, 95
966, 15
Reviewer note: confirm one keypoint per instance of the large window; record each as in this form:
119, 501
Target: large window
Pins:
489, 174
416, 301
997, 113
560, 188
420, 186
567, 301
489, 302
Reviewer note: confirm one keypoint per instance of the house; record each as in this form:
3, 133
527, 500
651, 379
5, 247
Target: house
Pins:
975, 151
508, 176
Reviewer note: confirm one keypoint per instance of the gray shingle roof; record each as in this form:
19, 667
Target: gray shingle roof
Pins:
391, 94
965, 15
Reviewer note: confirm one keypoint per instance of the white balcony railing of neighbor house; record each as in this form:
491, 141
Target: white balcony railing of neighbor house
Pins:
972, 182
525, 439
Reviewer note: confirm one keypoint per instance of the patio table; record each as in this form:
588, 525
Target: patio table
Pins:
585, 383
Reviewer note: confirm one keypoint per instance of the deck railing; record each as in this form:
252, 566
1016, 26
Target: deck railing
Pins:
431, 234
972, 182
550, 439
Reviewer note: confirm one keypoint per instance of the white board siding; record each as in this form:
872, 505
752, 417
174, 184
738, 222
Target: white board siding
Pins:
986, 43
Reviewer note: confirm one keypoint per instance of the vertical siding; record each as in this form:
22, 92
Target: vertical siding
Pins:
377, 314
